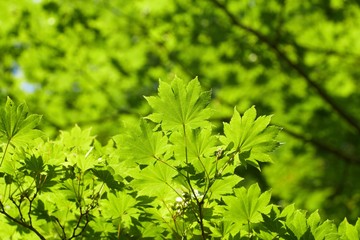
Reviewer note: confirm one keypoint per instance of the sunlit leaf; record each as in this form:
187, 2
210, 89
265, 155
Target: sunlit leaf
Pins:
119, 204
17, 125
155, 180
252, 138
180, 104
348, 231
297, 223
247, 204
224, 186
76, 137
148, 144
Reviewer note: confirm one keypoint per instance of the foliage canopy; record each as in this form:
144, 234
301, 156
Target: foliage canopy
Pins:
90, 62
184, 185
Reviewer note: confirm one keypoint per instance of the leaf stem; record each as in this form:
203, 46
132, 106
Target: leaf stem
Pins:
5, 151
199, 204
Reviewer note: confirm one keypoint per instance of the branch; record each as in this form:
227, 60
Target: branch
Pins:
322, 93
317, 143
86, 214
322, 146
19, 222
61, 227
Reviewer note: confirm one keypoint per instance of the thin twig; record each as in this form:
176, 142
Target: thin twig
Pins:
322, 146
20, 222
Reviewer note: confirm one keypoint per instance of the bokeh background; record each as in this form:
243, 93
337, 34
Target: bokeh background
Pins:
91, 62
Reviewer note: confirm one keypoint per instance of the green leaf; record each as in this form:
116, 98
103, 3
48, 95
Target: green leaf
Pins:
107, 177
272, 222
118, 205
144, 145
17, 125
313, 221
224, 186
357, 225
197, 147
251, 138
101, 225
247, 204
327, 230
34, 164
198, 142
155, 180
288, 211
223, 230
180, 105
151, 230
77, 138
348, 231
297, 223
85, 162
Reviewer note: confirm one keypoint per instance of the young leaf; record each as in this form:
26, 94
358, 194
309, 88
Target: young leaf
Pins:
313, 221
119, 205
247, 204
327, 230
297, 223
252, 138
180, 105
224, 186
77, 138
143, 146
154, 180
198, 143
348, 231
16, 125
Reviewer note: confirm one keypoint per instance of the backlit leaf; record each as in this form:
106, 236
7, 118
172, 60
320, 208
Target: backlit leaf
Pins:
142, 145
252, 138
348, 231
247, 204
155, 180
297, 223
17, 125
180, 105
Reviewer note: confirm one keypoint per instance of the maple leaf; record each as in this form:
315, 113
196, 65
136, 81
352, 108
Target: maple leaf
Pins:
180, 105
17, 126
247, 204
142, 145
252, 138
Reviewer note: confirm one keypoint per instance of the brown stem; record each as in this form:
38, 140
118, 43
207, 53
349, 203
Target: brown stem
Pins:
20, 222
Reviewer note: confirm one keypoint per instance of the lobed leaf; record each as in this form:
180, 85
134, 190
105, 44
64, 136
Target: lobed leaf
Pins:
250, 137
16, 125
247, 204
297, 223
224, 186
142, 145
180, 105
154, 180
348, 231
119, 204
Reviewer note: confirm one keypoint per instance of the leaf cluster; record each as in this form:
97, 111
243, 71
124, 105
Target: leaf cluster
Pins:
168, 177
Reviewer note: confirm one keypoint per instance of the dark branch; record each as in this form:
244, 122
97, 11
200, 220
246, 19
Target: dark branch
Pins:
322, 93
20, 222
318, 144
322, 146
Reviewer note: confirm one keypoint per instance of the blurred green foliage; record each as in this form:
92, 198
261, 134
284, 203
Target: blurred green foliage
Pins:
90, 63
